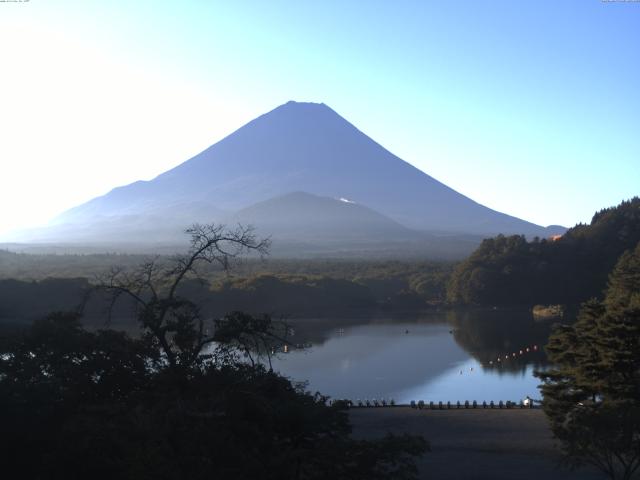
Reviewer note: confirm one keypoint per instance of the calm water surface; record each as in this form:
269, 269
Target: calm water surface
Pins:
446, 356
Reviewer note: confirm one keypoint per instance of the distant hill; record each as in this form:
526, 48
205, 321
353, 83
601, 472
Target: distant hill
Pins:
301, 224
304, 216
572, 269
298, 147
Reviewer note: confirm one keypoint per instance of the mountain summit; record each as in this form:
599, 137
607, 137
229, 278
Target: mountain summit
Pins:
298, 147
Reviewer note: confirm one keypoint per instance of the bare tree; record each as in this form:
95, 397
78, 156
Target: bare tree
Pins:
172, 321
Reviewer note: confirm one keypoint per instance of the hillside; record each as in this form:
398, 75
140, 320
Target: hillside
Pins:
302, 215
511, 270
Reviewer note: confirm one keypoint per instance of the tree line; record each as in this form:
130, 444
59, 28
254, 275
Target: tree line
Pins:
281, 294
568, 270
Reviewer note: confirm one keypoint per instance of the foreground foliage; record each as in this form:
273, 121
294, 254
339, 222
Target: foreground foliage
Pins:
77, 404
592, 396
186, 399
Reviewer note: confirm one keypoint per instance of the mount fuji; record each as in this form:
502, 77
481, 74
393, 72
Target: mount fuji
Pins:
300, 171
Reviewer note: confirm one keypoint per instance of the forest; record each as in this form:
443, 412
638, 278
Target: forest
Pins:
565, 270
33, 285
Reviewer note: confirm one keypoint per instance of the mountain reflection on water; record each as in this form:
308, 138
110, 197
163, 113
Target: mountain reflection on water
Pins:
442, 356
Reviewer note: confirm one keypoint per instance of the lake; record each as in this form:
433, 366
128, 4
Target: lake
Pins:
440, 356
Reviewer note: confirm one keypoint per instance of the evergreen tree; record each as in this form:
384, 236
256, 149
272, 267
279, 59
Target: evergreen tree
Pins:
592, 395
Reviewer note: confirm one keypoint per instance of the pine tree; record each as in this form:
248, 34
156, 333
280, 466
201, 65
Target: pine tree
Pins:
592, 395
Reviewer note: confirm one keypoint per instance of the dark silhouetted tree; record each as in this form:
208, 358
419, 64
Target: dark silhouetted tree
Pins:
186, 399
592, 395
169, 319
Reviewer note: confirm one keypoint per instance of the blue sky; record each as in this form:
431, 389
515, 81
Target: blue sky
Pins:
531, 108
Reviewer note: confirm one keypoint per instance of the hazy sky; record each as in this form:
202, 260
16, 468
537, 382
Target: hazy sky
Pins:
529, 107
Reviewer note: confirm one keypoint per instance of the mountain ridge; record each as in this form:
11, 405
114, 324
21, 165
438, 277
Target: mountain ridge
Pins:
296, 147
290, 139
